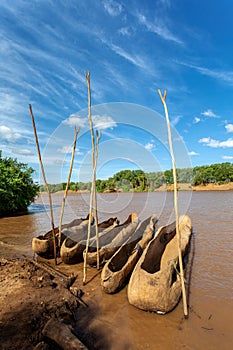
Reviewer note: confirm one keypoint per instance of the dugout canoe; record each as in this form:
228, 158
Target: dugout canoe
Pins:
43, 245
120, 235
155, 284
72, 249
118, 268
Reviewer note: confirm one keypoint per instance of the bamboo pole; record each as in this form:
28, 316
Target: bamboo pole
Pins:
67, 184
46, 185
93, 187
163, 99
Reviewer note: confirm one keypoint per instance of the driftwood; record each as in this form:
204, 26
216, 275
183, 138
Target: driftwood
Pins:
62, 335
67, 280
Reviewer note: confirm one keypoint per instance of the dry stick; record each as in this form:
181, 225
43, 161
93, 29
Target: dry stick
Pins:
46, 185
67, 184
163, 99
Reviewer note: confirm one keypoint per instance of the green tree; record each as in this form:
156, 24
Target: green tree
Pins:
17, 189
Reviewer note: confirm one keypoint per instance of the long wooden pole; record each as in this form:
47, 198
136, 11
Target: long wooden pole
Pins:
67, 184
98, 136
46, 184
163, 99
93, 187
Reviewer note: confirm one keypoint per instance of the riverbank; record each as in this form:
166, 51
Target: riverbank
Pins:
36, 302
209, 187
168, 188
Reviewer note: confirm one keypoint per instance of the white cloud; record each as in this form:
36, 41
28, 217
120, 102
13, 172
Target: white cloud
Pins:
112, 7
216, 144
25, 152
8, 134
68, 149
192, 153
229, 127
149, 146
209, 113
176, 120
159, 28
103, 122
197, 120
75, 120
227, 157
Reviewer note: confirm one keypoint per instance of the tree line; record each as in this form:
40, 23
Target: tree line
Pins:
139, 181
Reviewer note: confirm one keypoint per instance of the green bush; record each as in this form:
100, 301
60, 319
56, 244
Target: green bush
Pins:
17, 189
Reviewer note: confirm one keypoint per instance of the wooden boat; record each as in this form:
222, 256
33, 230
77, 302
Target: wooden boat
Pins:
43, 245
117, 270
72, 249
120, 235
155, 284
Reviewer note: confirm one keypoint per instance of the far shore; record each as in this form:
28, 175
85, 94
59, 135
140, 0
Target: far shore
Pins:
169, 188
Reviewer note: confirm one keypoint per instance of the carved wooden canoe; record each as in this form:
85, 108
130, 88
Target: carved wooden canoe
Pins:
72, 248
155, 284
120, 235
43, 245
117, 270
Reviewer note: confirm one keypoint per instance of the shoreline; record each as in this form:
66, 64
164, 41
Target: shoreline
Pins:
165, 188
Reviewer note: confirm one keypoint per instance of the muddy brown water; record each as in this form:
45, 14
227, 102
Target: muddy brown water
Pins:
210, 322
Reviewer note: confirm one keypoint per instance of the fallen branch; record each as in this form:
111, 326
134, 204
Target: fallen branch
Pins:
62, 335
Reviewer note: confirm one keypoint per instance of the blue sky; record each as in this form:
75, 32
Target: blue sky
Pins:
131, 48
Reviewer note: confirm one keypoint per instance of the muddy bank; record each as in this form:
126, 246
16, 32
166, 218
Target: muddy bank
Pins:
30, 297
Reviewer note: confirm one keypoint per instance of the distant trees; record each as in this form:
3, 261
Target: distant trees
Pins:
139, 181
17, 189
215, 173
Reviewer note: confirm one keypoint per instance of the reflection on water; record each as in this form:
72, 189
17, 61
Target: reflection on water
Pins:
211, 291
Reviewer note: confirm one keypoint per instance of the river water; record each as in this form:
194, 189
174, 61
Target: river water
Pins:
210, 322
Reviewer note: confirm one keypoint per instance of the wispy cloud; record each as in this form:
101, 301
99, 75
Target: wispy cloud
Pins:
229, 127
113, 8
209, 113
215, 143
158, 28
125, 31
135, 59
220, 75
